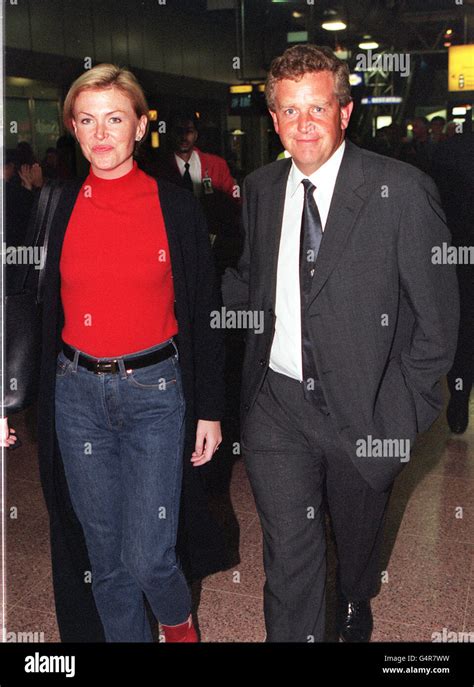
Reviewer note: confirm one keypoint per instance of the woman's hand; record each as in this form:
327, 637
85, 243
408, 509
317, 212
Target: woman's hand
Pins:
208, 440
7, 437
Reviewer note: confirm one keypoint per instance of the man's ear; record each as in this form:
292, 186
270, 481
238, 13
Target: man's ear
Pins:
346, 112
275, 120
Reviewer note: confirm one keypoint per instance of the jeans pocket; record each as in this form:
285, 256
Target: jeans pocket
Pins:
159, 376
63, 365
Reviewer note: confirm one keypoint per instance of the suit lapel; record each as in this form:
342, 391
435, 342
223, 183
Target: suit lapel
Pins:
273, 205
347, 200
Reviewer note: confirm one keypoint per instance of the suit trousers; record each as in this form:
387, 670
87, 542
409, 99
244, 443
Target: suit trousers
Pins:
294, 459
463, 364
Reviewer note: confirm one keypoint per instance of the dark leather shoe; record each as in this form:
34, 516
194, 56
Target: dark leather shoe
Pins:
458, 415
355, 621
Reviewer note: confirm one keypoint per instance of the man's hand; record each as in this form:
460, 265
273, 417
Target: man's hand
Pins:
208, 439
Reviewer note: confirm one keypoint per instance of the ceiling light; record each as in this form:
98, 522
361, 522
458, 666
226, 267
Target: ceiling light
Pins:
332, 21
368, 45
334, 25
19, 81
355, 79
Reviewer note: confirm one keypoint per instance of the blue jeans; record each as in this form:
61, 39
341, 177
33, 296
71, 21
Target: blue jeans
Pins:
121, 437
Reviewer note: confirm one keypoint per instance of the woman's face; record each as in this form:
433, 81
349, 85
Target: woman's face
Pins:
107, 127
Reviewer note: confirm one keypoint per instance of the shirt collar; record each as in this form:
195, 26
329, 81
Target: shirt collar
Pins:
180, 162
324, 176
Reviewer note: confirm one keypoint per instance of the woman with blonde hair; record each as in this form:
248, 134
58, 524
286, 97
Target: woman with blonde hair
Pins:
131, 375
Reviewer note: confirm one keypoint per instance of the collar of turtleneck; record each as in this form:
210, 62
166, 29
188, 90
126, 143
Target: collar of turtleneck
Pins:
115, 184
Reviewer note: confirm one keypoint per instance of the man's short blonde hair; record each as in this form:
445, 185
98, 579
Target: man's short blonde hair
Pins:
106, 76
307, 59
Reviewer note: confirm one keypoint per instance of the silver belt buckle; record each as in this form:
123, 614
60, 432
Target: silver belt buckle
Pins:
102, 366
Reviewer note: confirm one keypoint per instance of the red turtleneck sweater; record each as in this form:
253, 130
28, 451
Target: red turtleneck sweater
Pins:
116, 281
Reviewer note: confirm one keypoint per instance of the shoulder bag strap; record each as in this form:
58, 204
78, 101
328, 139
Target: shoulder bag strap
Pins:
55, 195
34, 226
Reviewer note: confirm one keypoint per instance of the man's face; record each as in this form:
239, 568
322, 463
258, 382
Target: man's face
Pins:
437, 127
184, 136
419, 129
309, 119
8, 170
52, 159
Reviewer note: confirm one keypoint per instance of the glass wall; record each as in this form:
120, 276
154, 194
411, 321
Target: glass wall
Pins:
32, 114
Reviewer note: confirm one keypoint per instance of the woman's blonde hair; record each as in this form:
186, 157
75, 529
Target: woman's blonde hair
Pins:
106, 76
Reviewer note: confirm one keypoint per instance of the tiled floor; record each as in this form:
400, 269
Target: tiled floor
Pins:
428, 581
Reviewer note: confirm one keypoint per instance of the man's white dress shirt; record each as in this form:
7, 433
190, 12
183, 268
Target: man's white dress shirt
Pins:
285, 355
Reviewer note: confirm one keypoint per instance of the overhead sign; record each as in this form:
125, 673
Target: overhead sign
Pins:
381, 100
461, 68
241, 88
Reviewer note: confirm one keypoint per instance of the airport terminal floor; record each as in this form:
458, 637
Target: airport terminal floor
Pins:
427, 588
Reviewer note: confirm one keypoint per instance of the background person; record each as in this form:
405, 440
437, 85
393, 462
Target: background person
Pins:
209, 178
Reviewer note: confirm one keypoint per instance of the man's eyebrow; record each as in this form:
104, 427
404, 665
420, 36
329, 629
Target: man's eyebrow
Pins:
319, 103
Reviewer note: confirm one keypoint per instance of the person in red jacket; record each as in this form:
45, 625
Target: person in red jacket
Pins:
209, 178
187, 166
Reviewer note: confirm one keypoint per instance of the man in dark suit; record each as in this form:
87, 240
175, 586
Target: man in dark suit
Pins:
453, 171
359, 327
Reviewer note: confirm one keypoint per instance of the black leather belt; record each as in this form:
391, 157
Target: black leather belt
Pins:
111, 364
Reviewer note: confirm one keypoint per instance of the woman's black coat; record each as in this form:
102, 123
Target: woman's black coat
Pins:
201, 350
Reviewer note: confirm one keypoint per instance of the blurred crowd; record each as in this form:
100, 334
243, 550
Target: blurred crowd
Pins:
417, 143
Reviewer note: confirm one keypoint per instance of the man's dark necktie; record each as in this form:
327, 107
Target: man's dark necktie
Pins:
310, 240
187, 181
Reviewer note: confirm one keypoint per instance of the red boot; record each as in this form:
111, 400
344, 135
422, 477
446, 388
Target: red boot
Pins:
184, 632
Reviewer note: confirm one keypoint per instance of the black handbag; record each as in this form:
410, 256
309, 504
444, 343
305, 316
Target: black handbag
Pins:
22, 314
